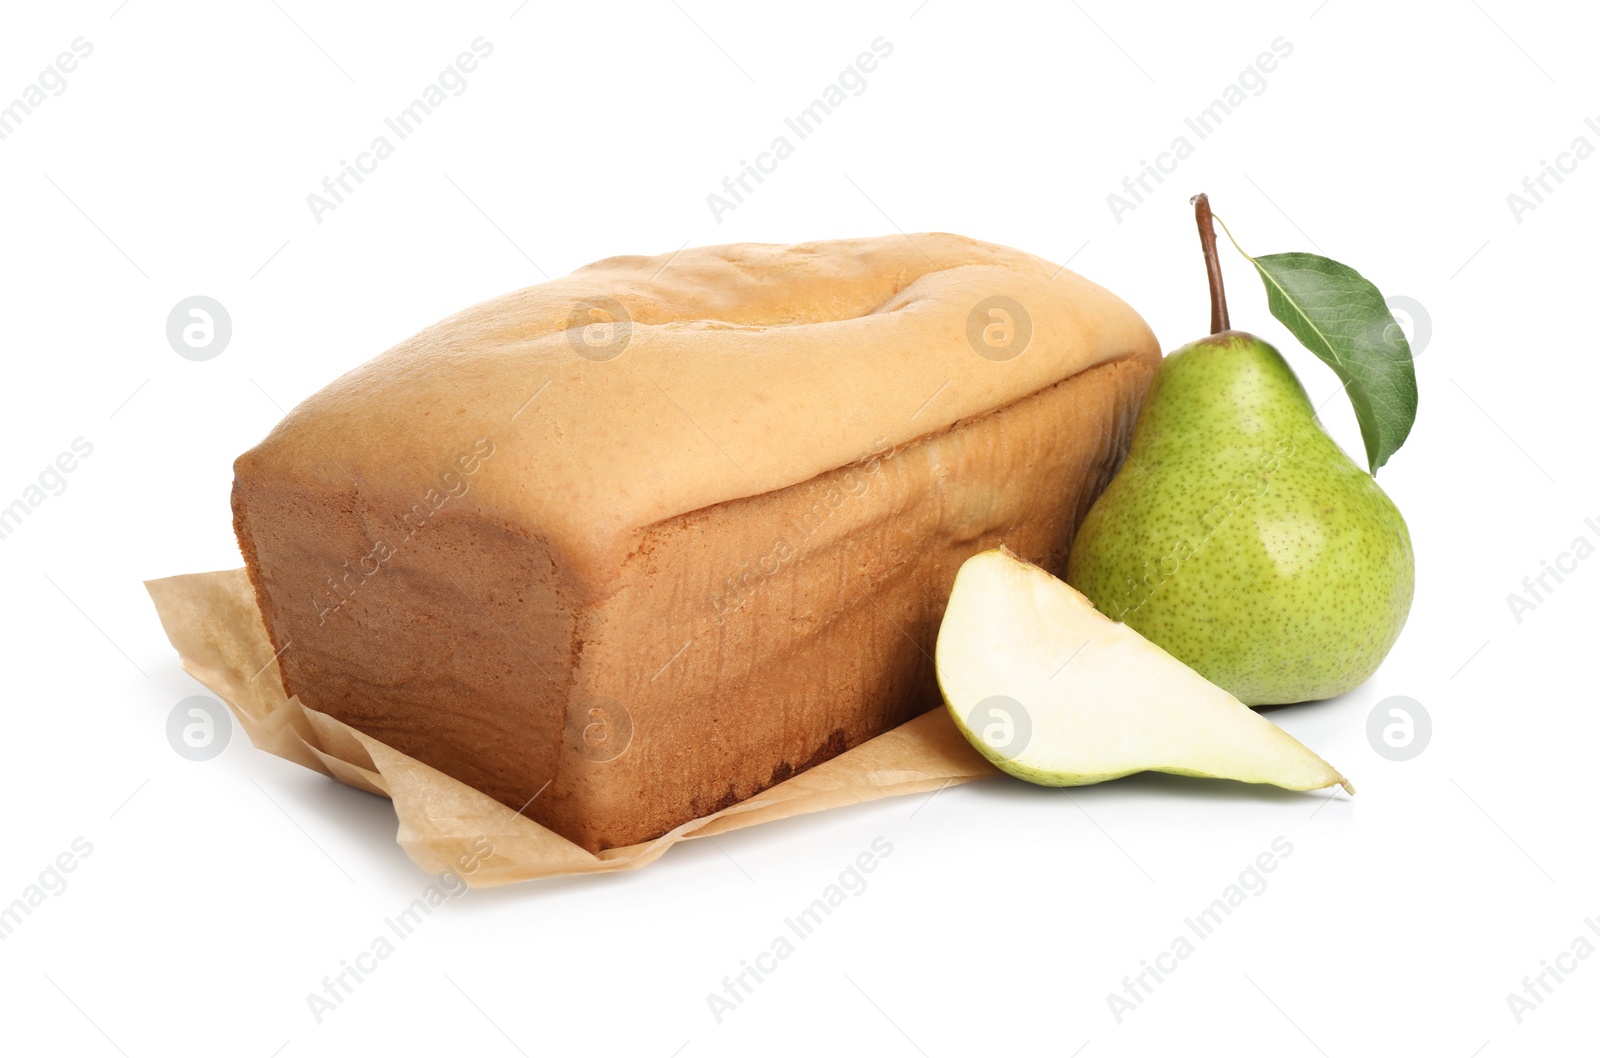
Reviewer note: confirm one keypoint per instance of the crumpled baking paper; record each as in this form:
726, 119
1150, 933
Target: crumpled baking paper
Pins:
212, 621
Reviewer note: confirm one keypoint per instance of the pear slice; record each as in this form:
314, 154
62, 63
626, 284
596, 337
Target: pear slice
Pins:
1054, 692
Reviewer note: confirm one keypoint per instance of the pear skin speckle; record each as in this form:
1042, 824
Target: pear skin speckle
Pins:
1241, 538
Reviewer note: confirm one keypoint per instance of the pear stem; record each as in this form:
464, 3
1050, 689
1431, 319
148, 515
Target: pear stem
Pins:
1208, 245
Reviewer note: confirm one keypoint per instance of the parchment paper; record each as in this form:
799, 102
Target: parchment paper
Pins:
212, 620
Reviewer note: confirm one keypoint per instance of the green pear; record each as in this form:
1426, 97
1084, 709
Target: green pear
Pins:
1054, 692
1239, 536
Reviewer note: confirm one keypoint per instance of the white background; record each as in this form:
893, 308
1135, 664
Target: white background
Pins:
218, 894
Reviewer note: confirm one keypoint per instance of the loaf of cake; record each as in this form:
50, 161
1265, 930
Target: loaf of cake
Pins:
630, 546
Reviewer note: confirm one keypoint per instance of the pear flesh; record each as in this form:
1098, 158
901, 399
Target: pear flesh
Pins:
1054, 692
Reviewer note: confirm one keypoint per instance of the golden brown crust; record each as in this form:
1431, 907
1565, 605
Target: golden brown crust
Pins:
746, 369
726, 549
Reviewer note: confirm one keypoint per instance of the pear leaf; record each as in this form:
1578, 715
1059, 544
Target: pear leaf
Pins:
1342, 318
